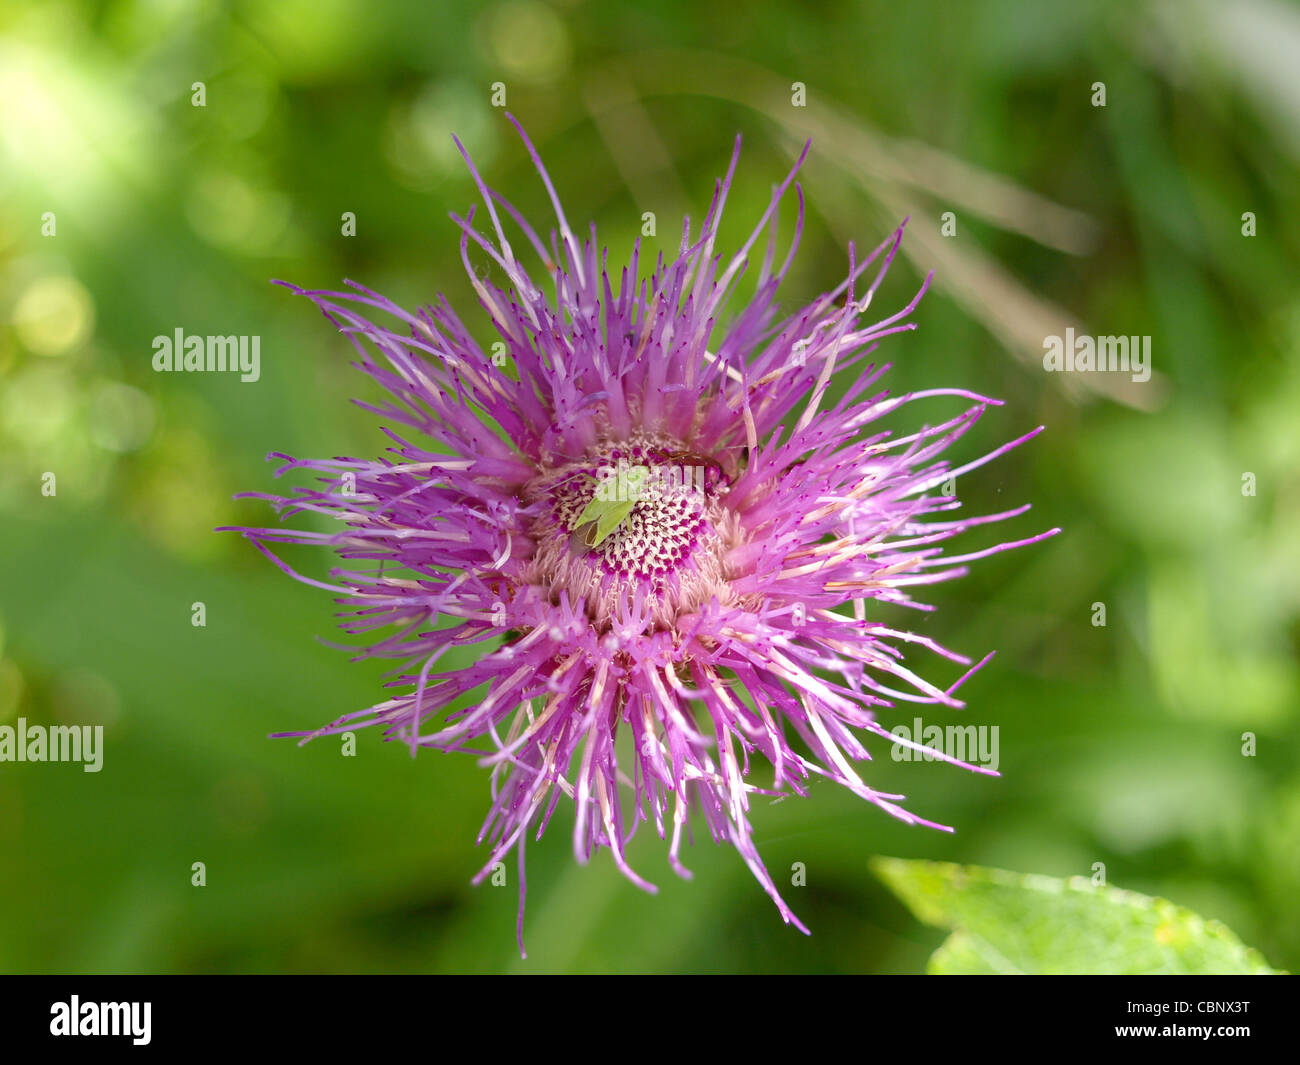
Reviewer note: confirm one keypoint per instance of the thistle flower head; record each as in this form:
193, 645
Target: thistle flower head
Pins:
653, 522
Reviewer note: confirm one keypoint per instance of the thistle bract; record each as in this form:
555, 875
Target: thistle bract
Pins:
658, 521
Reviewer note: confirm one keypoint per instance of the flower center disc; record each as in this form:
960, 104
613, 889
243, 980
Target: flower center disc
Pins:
670, 536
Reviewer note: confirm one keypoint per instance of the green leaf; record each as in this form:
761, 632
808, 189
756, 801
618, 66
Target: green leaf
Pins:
1023, 923
962, 954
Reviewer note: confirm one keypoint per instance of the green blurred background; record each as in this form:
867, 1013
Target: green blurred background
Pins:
1119, 744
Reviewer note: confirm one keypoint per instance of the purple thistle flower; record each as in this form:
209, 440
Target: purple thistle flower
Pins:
721, 608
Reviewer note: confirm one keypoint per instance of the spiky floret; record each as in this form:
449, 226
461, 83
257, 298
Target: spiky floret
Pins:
725, 614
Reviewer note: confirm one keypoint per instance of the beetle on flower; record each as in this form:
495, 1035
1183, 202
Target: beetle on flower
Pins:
710, 626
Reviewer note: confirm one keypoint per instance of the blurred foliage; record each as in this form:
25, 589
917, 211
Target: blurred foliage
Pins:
1010, 924
1120, 744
